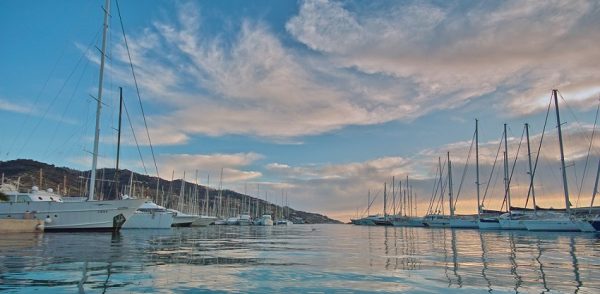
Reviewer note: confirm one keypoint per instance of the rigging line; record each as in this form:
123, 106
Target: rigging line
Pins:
433, 191
85, 66
462, 179
439, 206
492, 172
372, 200
439, 185
137, 89
537, 156
589, 151
43, 117
578, 124
513, 166
39, 95
442, 182
134, 136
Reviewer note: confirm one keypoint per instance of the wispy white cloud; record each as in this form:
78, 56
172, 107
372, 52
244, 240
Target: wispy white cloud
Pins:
363, 66
6, 105
231, 164
454, 53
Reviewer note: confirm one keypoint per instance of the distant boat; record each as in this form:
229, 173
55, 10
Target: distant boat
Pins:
264, 220
220, 222
284, 222
436, 218
464, 222
489, 223
514, 220
150, 216
369, 220
244, 220
491, 220
181, 219
555, 221
436, 221
232, 221
203, 221
365, 221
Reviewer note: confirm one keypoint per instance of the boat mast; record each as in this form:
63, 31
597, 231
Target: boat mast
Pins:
595, 188
441, 186
206, 196
221, 194
368, 202
477, 167
562, 154
408, 200
393, 195
530, 170
99, 106
384, 201
117, 177
450, 186
180, 202
506, 180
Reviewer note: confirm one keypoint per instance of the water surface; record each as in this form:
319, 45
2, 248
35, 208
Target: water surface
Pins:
301, 258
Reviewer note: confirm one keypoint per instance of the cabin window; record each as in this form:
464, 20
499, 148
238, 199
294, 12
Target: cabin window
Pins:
23, 198
40, 198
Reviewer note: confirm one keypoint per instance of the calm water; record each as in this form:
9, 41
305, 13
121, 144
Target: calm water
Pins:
301, 258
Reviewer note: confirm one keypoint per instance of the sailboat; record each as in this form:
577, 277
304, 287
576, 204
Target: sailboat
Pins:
552, 220
512, 220
205, 219
369, 220
181, 219
590, 222
468, 221
490, 219
58, 214
437, 218
150, 216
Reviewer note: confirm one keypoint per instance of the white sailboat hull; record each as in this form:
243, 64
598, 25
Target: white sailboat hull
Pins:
584, 225
437, 223
71, 216
265, 220
183, 220
512, 224
460, 223
149, 220
408, 222
552, 225
203, 221
489, 224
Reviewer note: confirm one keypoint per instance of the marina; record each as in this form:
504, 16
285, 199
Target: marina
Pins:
360, 147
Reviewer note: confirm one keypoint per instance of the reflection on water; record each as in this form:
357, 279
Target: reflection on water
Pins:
301, 258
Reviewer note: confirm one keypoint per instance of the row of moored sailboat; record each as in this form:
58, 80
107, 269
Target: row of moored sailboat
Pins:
585, 219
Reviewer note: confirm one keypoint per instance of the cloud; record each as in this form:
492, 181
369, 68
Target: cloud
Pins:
454, 53
12, 107
212, 164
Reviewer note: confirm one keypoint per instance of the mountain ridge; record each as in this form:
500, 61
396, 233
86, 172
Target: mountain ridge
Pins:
71, 182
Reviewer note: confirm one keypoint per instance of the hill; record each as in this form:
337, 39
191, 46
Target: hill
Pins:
111, 185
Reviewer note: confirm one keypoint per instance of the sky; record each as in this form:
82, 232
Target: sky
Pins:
323, 101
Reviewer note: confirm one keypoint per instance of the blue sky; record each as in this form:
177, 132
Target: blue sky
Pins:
324, 99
